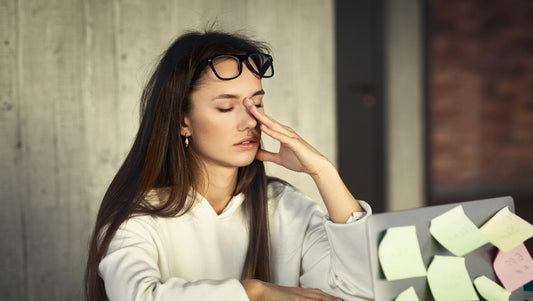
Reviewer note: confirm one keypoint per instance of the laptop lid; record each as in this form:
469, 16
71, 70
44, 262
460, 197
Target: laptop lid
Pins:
478, 262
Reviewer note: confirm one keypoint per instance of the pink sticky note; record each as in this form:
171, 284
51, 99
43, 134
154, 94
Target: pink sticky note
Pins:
514, 268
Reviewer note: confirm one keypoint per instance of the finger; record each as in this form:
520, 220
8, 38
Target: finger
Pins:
264, 118
263, 155
325, 297
261, 116
321, 297
276, 135
328, 297
318, 294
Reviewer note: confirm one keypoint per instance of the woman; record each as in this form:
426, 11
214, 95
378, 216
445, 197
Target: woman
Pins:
191, 214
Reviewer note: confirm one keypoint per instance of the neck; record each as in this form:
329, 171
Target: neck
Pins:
219, 186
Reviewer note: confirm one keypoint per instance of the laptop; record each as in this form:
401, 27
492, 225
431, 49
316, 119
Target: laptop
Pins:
478, 262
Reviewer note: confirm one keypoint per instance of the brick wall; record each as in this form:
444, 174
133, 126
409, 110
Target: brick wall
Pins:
481, 100
481, 94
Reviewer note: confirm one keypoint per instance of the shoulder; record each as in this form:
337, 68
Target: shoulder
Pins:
138, 232
285, 199
144, 226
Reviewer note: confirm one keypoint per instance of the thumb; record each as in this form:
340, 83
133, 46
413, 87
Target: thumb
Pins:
263, 155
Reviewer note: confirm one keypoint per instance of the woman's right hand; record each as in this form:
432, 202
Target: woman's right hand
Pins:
264, 291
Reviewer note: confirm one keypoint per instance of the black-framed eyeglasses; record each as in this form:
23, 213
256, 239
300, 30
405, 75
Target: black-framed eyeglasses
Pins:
229, 66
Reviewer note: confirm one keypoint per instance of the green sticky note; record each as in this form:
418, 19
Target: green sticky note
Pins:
448, 279
456, 232
490, 290
399, 254
506, 230
407, 295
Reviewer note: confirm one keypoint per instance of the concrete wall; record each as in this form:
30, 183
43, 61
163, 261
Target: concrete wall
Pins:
71, 74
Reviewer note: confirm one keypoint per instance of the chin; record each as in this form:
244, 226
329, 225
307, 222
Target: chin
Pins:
245, 161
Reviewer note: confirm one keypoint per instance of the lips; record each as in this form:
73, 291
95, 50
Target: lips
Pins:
248, 143
250, 140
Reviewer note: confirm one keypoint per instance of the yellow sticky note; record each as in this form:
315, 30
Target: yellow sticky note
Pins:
490, 290
448, 279
407, 295
456, 232
506, 230
399, 254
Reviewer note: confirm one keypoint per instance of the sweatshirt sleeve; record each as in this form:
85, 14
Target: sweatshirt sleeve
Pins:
335, 256
349, 256
130, 272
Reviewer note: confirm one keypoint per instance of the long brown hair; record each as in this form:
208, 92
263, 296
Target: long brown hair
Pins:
159, 158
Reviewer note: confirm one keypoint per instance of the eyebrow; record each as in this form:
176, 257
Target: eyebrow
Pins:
233, 96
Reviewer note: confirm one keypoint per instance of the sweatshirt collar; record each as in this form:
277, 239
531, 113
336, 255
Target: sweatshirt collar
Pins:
202, 208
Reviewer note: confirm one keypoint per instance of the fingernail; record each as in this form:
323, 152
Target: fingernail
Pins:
249, 101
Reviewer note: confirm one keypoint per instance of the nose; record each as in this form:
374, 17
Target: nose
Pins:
247, 121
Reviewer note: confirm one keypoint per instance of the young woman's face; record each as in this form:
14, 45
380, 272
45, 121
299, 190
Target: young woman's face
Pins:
223, 132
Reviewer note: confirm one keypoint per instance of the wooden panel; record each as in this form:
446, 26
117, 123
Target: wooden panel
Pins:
12, 187
404, 113
360, 99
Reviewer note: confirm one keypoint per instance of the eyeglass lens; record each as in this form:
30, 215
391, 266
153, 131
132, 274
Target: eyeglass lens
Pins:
230, 66
262, 64
226, 66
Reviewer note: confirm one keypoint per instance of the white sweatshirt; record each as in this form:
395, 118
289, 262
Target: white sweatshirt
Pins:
200, 255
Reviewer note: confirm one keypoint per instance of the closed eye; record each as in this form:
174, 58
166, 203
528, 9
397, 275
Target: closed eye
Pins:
223, 110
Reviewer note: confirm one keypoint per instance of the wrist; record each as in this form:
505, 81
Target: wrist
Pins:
325, 171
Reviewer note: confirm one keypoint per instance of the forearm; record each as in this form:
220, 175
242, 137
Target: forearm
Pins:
339, 202
253, 289
264, 291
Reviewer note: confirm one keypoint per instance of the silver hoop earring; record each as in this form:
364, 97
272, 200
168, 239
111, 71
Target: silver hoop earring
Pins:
186, 141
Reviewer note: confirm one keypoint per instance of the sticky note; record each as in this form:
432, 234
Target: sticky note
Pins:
399, 254
506, 230
490, 290
407, 295
456, 232
514, 268
448, 279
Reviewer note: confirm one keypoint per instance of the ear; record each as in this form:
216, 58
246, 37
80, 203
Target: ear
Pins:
185, 128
